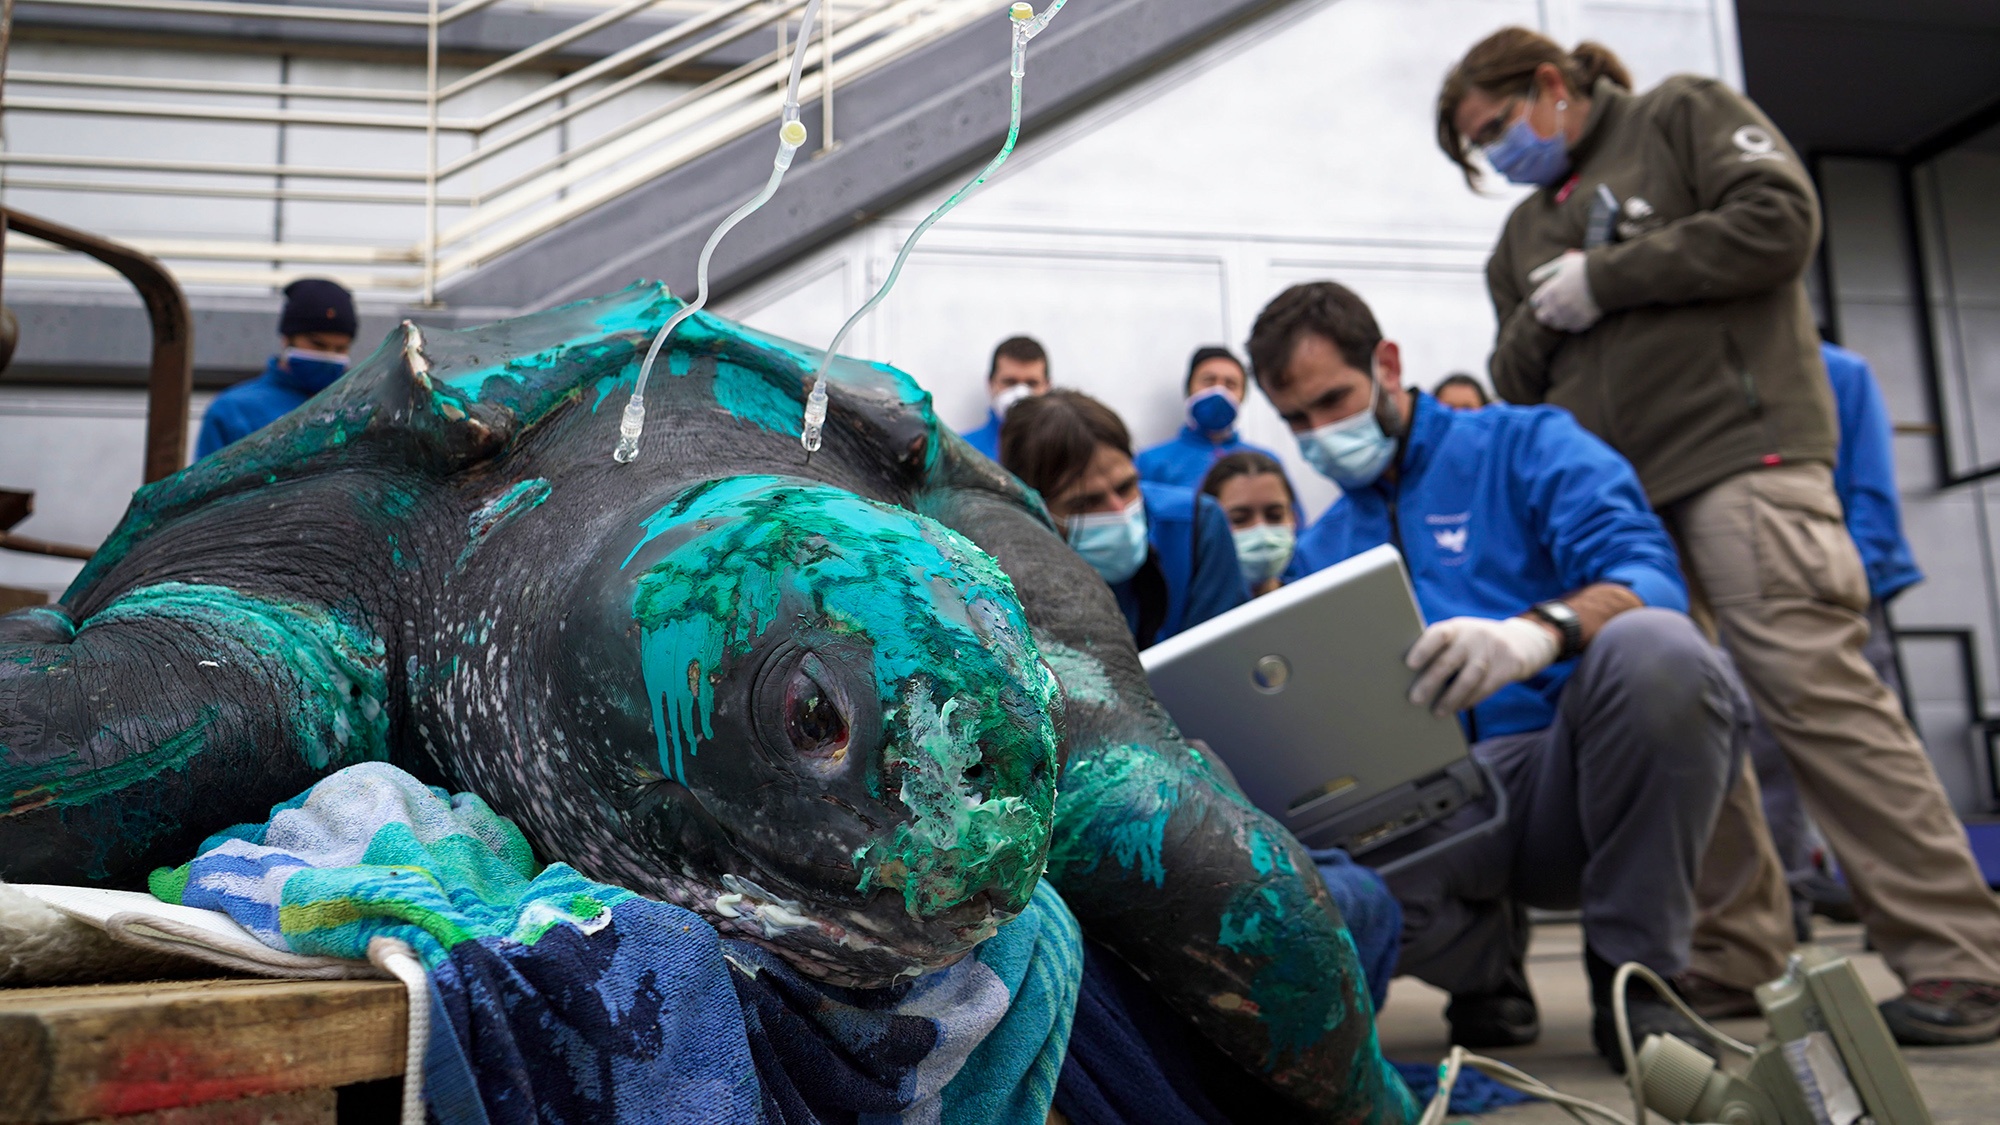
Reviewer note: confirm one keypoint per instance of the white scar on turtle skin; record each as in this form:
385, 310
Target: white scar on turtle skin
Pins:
1082, 676
778, 916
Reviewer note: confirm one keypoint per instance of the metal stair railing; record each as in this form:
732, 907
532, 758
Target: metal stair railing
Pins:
466, 221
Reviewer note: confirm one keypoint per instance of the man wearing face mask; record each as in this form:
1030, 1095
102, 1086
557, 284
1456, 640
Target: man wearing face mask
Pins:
1166, 552
317, 327
1214, 391
1019, 370
1557, 632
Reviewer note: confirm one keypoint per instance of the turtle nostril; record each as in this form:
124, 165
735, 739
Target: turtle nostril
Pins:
976, 779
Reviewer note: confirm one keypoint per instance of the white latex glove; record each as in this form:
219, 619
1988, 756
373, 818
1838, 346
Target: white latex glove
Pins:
1562, 298
1485, 655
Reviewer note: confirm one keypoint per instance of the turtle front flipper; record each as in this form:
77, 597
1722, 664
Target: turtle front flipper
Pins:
1161, 857
174, 711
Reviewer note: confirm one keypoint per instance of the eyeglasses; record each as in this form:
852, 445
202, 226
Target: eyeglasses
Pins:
1490, 134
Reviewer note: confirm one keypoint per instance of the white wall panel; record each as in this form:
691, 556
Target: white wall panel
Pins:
81, 453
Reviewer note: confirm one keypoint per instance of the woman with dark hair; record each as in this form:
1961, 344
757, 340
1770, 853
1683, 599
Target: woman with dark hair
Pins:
1165, 551
1654, 287
1461, 391
1263, 513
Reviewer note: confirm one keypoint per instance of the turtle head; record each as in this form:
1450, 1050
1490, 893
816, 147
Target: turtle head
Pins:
845, 744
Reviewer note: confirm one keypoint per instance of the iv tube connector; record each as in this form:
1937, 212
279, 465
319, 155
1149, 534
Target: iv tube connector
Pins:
791, 135
1026, 25
629, 428
815, 416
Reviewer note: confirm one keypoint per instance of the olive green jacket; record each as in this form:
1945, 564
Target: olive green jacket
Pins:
1706, 362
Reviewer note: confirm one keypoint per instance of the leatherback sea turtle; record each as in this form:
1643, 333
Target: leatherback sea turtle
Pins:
826, 703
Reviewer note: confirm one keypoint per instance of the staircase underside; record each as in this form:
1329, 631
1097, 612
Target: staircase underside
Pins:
903, 130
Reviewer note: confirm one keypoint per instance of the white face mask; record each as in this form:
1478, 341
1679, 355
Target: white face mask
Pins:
1263, 550
1354, 451
1113, 543
1005, 400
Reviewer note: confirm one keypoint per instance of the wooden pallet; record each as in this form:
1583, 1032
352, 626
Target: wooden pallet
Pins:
219, 1052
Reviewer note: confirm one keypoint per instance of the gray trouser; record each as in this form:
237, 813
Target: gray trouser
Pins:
1791, 829
1612, 805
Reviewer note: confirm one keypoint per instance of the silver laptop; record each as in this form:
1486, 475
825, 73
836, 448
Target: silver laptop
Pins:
1304, 695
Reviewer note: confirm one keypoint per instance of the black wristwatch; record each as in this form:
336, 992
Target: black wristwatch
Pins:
1560, 615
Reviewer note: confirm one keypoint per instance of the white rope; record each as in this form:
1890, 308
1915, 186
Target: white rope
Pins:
396, 958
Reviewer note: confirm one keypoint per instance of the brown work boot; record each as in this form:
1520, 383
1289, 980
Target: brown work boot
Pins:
1944, 1013
1714, 1000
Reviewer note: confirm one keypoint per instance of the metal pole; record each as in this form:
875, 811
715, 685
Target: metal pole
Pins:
10, 329
431, 156
826, 141
170, 378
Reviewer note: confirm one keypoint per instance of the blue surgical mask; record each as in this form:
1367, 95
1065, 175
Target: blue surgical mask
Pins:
1352, 452
1528, 159
1212, 411
1113, 543
317, 370
1263, 550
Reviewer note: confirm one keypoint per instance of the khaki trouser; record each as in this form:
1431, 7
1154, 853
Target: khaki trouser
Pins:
1743, 906
1767, 554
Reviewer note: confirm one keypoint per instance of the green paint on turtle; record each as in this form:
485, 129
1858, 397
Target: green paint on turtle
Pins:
522, 496
63, 781
754, 397
1297, 990
951, 819
1116, 803
55, 618
459, 399
337, 668
957, 674
1268, 854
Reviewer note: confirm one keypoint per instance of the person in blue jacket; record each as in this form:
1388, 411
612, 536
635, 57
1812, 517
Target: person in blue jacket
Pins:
1558, 632
1214, 390
1019, 369
1166, 552
1864, 476
317, 328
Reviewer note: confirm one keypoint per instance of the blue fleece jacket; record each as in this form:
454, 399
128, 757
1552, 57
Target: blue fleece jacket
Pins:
1193, 553
1494, 511
1864, 475
986, 439
251, 405
1185, 459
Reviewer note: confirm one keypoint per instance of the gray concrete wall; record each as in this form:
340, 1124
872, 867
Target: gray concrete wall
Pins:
1955, 531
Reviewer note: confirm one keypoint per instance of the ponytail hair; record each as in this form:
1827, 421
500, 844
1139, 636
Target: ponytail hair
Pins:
1503, 64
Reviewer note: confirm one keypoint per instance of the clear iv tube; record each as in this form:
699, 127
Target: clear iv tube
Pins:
791, 134
1027, 25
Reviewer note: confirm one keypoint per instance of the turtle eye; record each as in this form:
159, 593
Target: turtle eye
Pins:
814, 721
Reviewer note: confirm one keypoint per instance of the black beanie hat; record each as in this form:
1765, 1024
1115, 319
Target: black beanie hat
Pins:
1203, 355
314, 304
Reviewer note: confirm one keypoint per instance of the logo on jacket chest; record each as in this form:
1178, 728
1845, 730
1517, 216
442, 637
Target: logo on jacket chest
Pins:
1452, 533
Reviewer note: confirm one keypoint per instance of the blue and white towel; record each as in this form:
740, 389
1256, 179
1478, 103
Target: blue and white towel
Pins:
560, 999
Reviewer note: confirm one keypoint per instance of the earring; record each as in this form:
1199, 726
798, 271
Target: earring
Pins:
1561, 105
